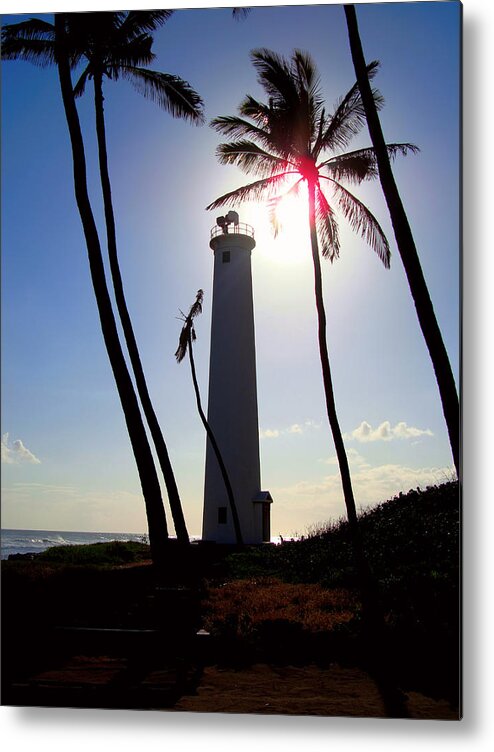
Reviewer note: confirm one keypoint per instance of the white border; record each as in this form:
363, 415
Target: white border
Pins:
54, 730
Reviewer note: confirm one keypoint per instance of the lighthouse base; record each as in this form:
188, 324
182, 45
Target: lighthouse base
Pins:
255, 521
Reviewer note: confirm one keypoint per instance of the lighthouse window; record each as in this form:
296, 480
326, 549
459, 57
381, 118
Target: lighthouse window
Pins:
221, 515
226, 257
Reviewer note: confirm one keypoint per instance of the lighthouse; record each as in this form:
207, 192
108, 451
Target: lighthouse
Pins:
232, 401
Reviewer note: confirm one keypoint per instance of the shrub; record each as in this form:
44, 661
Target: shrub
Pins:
241, 607
112, 553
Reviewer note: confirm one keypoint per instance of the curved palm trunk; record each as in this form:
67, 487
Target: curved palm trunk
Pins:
407, 248
154, 427
212, 439
158, 533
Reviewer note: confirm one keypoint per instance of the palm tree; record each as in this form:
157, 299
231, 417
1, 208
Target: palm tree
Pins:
43, 43
118, 45
288, 140
187, 337
407, 248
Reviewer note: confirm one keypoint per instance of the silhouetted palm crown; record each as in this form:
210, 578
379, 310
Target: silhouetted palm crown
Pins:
113, 44
294, 138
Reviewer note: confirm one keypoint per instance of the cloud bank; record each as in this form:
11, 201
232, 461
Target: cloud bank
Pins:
16, 453
321, 499
364, 432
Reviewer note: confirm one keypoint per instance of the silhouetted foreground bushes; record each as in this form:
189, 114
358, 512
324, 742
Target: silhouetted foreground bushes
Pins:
413, 536
296, 603
412, 543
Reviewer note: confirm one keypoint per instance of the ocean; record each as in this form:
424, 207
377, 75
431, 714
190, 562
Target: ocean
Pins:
35, 541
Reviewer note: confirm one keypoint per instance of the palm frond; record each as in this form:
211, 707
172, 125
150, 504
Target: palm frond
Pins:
327, 227
196, 307
359, 165
362, 221
240, 13
354, 166
188, 330
80, 86
250, 158
37, 51
172, 93
32, 40
235, 127
183, 343
33, 28
396, 149
258, 111
308, 80
268, 136
130, 54
138, 21
275, 76
348, 117
91, 34
273, 205
260, 189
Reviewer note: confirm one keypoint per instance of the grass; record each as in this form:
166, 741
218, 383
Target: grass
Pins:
97, 554
250, 603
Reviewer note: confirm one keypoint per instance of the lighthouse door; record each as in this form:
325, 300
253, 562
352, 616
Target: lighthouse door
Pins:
266, 523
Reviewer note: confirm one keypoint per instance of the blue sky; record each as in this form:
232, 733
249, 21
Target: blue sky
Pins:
67, 460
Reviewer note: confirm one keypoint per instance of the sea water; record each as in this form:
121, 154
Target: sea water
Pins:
35, 541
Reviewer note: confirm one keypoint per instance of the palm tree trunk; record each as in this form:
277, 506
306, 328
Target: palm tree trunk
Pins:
379, 662
407, 248
326, 370
214, 444
158, 533
154, 427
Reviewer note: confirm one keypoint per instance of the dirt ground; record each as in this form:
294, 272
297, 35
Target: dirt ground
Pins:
307, 690
260, 689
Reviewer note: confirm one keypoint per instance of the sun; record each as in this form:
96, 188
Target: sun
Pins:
292, 244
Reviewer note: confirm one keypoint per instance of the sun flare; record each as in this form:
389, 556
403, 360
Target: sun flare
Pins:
292, 243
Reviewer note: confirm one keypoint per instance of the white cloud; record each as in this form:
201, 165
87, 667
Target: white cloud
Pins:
295, 428
354, 459
16, 453
384, 432
269, 433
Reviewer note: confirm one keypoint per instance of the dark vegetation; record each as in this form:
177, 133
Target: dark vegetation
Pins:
413, 548
413, 537
113, 553
294, 603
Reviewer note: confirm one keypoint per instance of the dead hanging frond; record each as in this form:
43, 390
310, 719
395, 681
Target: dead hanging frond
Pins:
188, 332
273, 206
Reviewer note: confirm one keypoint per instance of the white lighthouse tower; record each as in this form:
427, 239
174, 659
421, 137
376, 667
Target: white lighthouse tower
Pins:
232, 404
